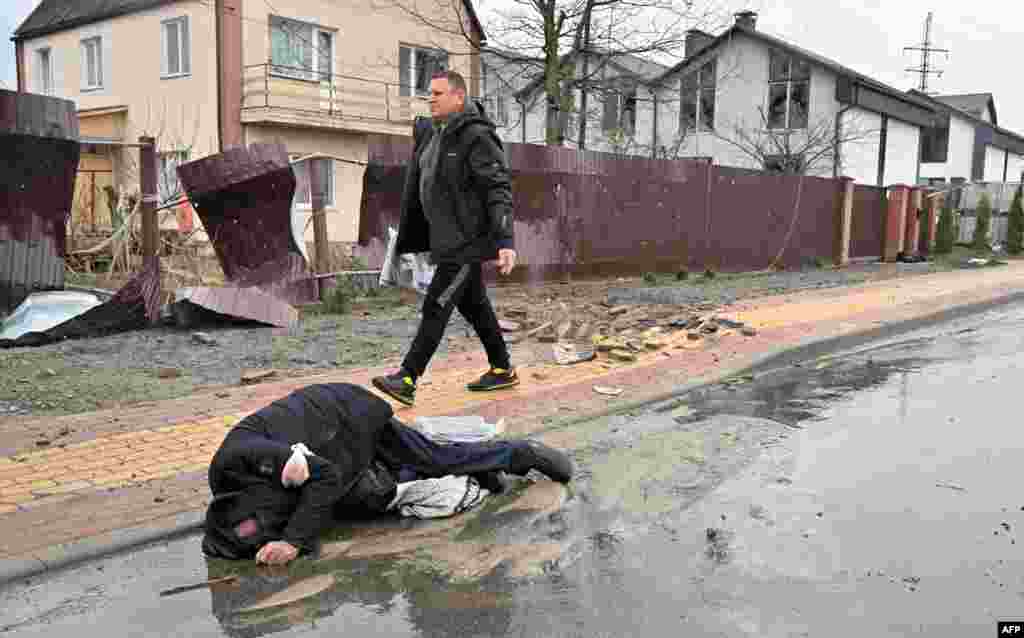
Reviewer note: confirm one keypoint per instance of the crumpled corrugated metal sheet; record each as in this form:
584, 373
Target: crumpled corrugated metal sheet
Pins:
134, 306
244, 197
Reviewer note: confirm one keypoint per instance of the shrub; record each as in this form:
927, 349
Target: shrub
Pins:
1015, 224
945, 235
984, 222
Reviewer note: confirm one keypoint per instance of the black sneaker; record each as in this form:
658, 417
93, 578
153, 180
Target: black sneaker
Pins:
494, 379
533, 455
399, 386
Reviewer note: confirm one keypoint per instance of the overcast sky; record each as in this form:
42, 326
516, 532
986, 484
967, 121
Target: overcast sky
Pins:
985, 38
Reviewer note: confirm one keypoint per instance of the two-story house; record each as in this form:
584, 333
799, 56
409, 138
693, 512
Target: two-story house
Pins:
318, 76
968, 145
738, 94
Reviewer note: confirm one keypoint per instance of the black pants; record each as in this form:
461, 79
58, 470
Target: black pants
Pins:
462, 287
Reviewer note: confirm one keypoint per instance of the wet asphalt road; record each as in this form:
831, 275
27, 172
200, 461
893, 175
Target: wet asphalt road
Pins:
874, 493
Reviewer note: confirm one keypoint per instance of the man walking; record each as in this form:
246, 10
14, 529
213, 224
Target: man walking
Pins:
456, 203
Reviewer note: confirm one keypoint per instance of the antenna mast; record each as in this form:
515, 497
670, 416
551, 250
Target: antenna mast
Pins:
926, 49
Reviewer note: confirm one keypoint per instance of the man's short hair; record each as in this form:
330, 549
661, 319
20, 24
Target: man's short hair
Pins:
455, 80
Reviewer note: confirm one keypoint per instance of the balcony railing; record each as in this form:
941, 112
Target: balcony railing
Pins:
273, 87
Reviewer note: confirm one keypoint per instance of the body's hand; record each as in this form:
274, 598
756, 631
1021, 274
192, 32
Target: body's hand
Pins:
506, 260
277, 553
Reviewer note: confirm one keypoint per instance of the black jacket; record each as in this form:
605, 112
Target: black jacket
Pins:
472, 183
340, 422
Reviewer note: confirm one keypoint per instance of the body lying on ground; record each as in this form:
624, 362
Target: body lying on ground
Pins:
329, 452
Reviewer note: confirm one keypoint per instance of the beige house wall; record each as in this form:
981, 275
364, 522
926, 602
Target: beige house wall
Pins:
181, 112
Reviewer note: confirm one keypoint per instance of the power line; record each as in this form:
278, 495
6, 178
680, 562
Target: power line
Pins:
925, 69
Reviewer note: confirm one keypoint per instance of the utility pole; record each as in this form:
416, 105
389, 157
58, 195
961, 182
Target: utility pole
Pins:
925, 69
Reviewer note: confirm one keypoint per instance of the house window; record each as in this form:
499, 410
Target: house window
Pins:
934, 144
44, 67
301, 50
303, 195
416, 66
175, 50
619, 111
697, 100
789, 82
168, 186
92, 63
495, 100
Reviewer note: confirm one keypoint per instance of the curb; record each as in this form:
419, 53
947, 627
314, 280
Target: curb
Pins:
70, 554
185, 523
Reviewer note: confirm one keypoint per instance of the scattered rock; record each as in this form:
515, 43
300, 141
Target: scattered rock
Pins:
709, 327
168, 373
758, 512
607, 391
48, 372
64, 431
539, 329
1005, 525
729, 323
748, 331
255, 376
203, 339
223, 395
951, 486
159, 499
618, 310
540, 376
693, 322
607, 344
622, 355
509, 326
653, 344
42, 442
809, 532
693, 335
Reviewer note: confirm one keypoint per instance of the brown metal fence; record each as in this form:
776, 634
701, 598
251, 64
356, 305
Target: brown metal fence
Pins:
589, 213
867, 228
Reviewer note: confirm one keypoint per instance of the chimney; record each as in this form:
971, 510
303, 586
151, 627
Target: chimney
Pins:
695, 41
747, 20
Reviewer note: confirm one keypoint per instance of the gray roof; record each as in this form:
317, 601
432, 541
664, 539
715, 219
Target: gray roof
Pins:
57, 15
974, 103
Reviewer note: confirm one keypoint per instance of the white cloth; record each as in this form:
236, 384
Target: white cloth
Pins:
438, 498
298, 457
458, 429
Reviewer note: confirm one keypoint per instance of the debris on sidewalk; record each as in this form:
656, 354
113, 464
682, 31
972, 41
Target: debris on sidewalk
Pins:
509, 326
255, 376
951, 486
607, 390
203, 339
567, 354
224, 580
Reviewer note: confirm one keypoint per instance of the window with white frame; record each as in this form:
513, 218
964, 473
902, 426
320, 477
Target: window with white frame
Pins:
789, 89
92, 63
175, 49
303, 193
168, 186
301, 49
44, 71
416, 66
697, 100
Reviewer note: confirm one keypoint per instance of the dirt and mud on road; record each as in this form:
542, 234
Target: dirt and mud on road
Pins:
167, 362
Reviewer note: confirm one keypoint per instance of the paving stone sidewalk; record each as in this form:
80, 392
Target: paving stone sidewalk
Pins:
81, 478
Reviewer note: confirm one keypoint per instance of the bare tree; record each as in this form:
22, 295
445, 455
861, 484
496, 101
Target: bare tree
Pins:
550, 35
816, 149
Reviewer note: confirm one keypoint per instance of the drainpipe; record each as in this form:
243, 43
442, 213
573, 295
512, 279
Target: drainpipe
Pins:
837, 151
522, 118
654, 132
